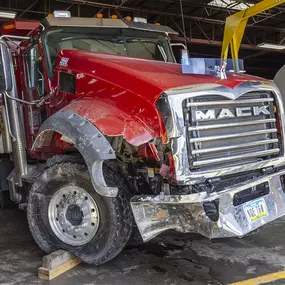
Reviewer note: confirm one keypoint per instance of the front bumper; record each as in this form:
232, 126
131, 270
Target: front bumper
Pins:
185, 213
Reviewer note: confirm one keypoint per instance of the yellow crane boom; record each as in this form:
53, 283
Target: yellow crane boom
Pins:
235, 27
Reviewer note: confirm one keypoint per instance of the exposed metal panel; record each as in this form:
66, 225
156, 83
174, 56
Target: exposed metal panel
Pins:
150, 27
106, 23
85, 22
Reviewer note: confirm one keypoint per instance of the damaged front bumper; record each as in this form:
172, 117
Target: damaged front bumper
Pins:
232, 212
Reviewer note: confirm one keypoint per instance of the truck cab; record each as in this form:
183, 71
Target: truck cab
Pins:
103, 131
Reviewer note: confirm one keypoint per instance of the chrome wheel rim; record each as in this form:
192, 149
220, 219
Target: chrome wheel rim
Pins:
73, 215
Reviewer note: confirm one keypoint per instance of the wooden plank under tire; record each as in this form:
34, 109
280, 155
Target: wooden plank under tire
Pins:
56, 264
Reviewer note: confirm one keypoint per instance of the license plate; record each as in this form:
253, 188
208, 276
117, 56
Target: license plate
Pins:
255, 210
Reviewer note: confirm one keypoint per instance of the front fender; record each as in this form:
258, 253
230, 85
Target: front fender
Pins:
137, 121
88, 140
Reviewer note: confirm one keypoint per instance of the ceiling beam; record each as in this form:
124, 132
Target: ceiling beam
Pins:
23, 10
155, 12
29, 8
219, 43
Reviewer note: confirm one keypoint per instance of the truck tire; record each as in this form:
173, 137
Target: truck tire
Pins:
65, 212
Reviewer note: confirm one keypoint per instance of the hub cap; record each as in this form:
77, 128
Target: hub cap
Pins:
73, 215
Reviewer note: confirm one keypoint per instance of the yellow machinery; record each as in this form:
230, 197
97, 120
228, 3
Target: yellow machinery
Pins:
235, 27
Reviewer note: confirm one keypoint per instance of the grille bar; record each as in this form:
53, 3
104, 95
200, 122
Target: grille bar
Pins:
228, 102
236, 157
218, 126
217, 149
237, 135
223, 132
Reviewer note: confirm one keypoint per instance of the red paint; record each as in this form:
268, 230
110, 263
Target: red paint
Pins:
146, 78
116, 93
20, 28
154, 151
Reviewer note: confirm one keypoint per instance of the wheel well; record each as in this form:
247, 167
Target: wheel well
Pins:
53, 141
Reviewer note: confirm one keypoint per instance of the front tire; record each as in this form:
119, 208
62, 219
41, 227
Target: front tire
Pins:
65, 212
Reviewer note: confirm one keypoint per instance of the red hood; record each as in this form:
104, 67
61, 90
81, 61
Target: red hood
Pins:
130, 73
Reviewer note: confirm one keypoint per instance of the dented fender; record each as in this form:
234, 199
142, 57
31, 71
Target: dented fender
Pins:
88, 140
138, 125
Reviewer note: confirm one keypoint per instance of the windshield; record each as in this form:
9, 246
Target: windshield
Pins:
128, 42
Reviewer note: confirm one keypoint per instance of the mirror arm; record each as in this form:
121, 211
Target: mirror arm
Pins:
20, 100
8, 119
42, 101
14, 37
38, 103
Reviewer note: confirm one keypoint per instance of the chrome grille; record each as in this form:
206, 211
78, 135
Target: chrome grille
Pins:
228, 141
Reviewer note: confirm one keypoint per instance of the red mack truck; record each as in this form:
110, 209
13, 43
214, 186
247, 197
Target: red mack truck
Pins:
101, 131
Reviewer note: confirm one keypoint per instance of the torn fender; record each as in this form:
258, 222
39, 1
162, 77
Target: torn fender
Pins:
138, 122
88, 140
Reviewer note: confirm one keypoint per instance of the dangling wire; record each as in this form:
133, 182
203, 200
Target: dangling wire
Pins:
183, 22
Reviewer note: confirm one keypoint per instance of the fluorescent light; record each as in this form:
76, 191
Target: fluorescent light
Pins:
230, 4
9, 15
271, 46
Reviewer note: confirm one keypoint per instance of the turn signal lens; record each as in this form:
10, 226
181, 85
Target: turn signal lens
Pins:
278, 126
9, 27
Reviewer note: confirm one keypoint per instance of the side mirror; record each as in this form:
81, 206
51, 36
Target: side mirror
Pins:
5, 68
177, 49
279, 80
178, 45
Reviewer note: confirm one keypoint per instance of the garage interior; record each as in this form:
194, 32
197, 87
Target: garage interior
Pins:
171, 258
204, 24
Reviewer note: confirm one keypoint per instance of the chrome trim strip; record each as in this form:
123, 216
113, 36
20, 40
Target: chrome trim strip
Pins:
177, 135
247, 123
227, 102
217, 149
246, 134
229, 158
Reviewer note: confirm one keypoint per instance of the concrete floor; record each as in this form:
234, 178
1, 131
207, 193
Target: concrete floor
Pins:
170, 259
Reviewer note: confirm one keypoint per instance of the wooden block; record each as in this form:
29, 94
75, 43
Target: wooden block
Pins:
56, 258
57, 263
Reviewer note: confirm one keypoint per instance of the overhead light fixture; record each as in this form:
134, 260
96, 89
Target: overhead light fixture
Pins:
8, 15
232, 4
271, 46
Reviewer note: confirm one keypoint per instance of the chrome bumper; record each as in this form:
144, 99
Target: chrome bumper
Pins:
185, 213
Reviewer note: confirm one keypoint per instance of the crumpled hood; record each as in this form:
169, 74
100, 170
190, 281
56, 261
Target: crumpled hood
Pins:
147, 78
